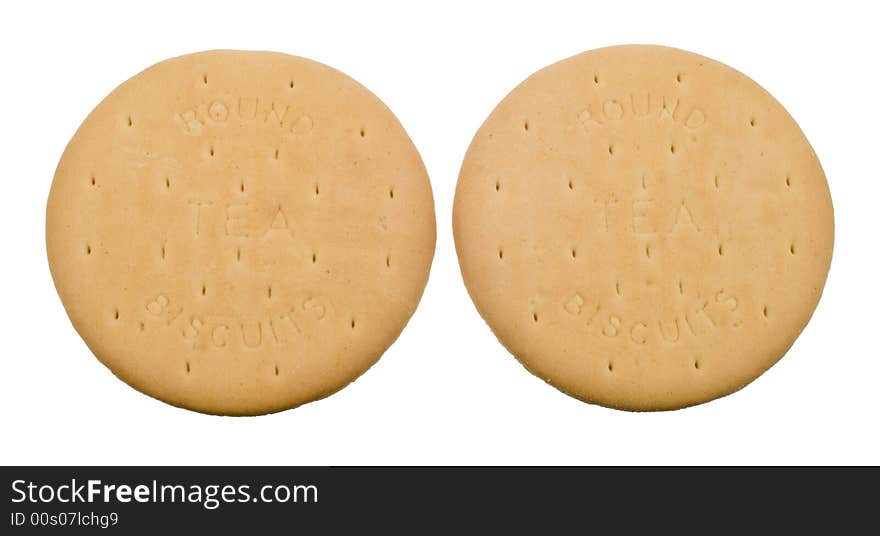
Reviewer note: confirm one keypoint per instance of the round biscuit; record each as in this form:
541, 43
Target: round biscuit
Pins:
240, 232
642, 227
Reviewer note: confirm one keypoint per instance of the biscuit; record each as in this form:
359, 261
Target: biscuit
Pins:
642, 227
240, 232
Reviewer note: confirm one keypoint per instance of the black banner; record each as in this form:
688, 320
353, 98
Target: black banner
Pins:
241, 500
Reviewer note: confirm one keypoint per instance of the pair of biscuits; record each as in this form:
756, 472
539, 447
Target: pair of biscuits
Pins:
244, 232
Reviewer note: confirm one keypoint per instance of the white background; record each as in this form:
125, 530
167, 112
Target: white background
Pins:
446, 392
